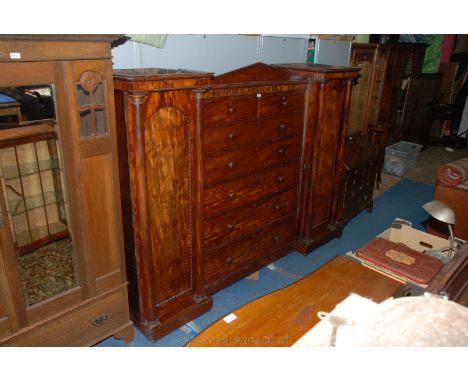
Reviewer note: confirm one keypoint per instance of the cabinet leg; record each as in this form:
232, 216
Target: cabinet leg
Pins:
370, 207
339, 232
125, 334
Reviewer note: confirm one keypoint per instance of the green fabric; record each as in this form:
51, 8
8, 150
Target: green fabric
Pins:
156, 40
361, 38
433, 53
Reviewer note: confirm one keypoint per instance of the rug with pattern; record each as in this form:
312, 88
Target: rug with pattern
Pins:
47, 271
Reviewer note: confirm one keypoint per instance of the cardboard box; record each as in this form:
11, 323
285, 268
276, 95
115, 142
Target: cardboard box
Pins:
401, 231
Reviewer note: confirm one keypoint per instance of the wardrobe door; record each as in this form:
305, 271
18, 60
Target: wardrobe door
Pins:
38, 245
159, 175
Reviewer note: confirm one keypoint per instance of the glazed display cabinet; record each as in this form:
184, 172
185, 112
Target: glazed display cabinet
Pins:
62, 269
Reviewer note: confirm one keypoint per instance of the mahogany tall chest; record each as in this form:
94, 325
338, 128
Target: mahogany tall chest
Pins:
222, 176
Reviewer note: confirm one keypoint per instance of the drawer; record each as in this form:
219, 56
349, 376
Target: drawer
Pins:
248, 160
228, 109
83, 326
284, 102
239, 134
242, 254
232, 224
237, 192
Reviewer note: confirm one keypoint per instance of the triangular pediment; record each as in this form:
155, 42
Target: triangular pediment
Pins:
257, 72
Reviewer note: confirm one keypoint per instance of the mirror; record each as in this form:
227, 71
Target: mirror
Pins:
32, 186
26, 103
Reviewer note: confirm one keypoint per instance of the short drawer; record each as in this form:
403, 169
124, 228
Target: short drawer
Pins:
242, 254
284, 102
228, 109
247, 133
237, 192
248, 160
235, 223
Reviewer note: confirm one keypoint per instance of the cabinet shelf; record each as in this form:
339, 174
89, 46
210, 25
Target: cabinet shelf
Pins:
33, 202
25, 239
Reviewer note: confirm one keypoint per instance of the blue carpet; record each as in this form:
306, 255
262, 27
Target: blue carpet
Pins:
404, 200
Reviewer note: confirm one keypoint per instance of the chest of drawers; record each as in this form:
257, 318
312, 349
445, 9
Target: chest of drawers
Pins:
251, 129
360, 163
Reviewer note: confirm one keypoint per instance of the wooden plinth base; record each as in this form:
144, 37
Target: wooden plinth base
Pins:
154, 331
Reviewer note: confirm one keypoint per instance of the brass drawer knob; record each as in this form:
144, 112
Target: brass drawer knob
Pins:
232, 108
99, 320
230, 227
232, 136
232, 195
281, 150
229, 260
277, 207
231, 164
283, 127
276, 238
280, 179
284, 101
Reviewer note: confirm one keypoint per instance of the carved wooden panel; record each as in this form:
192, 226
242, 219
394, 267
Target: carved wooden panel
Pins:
169, 196
91, 104
104, 236
326, 151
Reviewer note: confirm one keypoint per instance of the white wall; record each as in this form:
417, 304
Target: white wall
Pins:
211, 52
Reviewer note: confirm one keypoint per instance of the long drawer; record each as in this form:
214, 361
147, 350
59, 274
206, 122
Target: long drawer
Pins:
244, 161
239, 134
237, 192
283, 102
241, 254
232, 224
225, 110
82, 326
